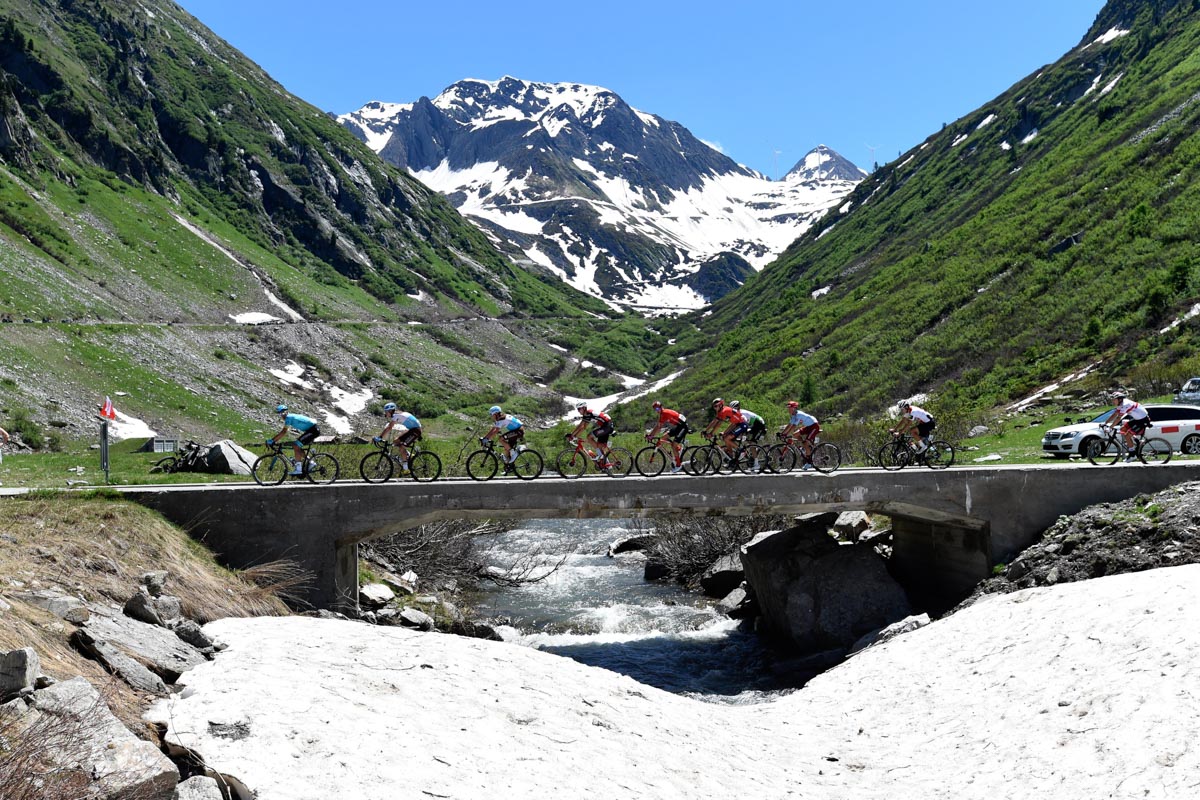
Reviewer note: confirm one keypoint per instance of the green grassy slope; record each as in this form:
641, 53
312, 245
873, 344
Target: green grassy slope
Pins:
154, 178
1051, 229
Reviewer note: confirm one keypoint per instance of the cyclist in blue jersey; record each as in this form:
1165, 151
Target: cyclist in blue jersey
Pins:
801, 427
407, 426
304, 426
510, 430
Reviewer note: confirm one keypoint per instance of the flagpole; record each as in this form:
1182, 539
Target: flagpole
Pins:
107, 412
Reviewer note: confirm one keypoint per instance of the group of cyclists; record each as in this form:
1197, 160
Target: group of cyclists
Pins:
731, 424
739, 423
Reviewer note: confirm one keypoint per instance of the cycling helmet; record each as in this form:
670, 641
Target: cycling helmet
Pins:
903, 404
656, 405
792, 404
389, 407
581, 406
735, 405
495, 410
1118, 394
718, 402
281, 409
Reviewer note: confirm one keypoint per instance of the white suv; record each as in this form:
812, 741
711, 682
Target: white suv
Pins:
1178, 424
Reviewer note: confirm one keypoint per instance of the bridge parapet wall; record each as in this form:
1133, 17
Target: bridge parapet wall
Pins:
984, 515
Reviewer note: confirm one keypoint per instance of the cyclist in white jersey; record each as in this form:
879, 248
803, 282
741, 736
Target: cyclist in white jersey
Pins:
508, 428
917, 421
408, 429
1137, 419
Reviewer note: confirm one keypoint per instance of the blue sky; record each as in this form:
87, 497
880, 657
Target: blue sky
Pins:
764, 81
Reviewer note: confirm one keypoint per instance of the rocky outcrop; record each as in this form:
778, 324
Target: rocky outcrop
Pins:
814, 593
85, 738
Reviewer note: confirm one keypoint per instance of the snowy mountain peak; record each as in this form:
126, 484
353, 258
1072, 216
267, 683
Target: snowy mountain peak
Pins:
822, 163
568, 179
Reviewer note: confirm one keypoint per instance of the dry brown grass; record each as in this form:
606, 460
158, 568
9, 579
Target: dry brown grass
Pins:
97, 548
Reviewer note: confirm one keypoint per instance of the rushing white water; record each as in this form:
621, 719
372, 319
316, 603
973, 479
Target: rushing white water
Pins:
600, 611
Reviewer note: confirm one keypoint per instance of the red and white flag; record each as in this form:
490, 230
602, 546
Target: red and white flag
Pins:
107, 411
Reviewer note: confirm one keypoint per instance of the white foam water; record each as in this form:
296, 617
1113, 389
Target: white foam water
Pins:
600, 611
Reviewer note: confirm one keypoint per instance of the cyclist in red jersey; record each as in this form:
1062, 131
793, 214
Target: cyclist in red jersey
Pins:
676, 426
728, 414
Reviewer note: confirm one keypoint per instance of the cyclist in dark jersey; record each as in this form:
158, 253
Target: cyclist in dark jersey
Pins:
602, 428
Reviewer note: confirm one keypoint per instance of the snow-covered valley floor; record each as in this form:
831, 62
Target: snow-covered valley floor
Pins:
1085, 690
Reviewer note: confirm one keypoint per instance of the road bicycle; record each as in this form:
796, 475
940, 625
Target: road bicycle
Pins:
573, 461
187, 458
484, 463
747, 457
659, 455
1111, 448
378, 467
789, 453
900, 452
274, 468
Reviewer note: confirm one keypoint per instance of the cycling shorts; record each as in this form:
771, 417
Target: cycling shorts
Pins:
925, 428
601, 432
512, 436
1137, 425
738, 429
809, 432
757, 430
678, 432
409, 436
309, 436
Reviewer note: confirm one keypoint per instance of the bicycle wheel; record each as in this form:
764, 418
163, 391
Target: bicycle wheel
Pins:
1107, 451
482, 465
893, 456
781, 458
321, 468
938, 455
752, 459
376, 467
650, 461
271, 469
425, 466
527, 465
826, 457
571, 463
167, 464
686, 460
704, 460
620, 462
1154, 451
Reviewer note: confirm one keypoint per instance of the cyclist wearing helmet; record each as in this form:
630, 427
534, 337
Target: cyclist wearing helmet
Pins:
602, 428
675, 424
408, 430
917, 421
756, 427
730, 415
1135, 419
305, 426
510, 430
802, 427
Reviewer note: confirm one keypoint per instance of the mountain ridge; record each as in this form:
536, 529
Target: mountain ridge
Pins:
570, 179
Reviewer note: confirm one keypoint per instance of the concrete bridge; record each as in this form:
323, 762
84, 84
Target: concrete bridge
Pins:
951, 527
